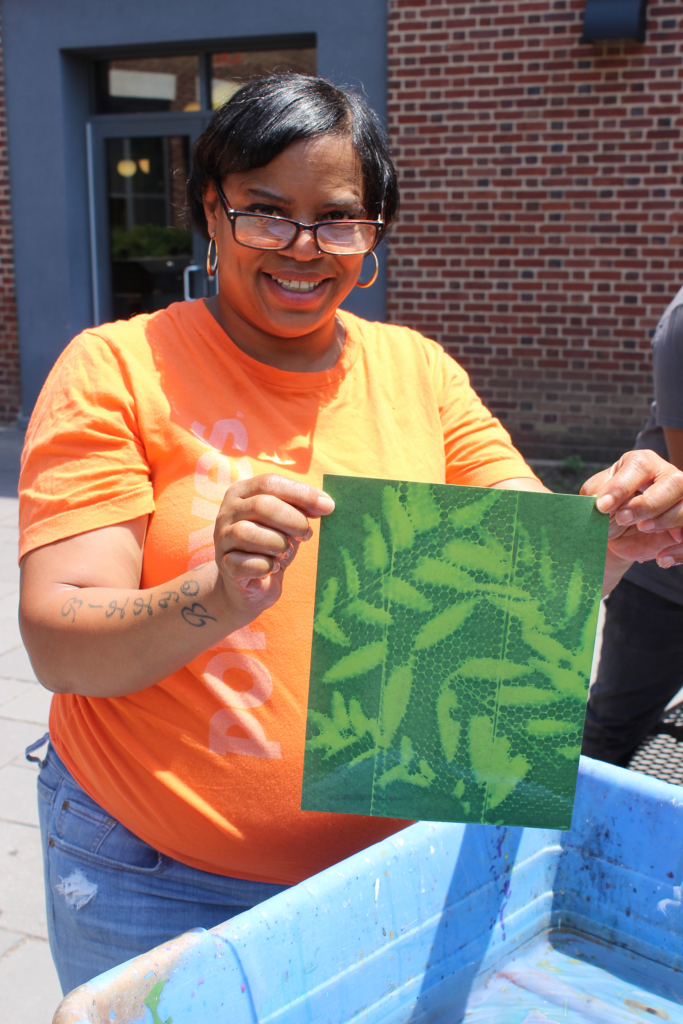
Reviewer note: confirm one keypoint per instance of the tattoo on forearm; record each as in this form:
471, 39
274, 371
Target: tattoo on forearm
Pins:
139, 603
196, 615
70, 608
115, 607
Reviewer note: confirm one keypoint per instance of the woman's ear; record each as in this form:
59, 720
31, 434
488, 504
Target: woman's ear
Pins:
211, 208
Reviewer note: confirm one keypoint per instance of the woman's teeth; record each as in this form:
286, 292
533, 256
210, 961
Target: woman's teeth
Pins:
297, 286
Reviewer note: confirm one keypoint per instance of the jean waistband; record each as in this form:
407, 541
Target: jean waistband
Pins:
51, 757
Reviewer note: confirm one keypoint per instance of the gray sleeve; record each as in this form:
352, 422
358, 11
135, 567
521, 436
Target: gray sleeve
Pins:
668, 370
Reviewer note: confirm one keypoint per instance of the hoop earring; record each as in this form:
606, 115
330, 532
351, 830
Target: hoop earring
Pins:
212, 265
369, 284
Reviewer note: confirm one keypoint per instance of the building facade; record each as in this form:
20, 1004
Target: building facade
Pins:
542, 183
541, 229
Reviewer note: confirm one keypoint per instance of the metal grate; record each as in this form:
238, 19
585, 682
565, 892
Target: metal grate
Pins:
661, 752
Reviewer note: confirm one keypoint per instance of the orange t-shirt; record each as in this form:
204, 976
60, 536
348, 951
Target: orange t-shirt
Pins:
158, 415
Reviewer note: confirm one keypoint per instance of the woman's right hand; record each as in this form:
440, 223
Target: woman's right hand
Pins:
259, 527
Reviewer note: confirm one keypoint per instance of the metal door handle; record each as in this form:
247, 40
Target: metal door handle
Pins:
186, 281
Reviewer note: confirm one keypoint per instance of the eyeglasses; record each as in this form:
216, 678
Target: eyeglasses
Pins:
336, 237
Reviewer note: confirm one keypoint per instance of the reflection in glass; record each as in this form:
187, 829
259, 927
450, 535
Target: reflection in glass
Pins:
230, 70
150, 240
148, 84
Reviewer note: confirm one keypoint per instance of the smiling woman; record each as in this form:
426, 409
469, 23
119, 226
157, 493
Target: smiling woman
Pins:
312, 162
168, 574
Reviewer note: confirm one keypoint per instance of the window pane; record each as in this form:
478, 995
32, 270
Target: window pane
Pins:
148, 84
230, 70
150, 240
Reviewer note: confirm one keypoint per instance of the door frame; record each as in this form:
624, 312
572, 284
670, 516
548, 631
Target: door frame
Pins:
98, 129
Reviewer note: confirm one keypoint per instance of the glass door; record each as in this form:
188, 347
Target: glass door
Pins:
145, 254
149, 109
150, 242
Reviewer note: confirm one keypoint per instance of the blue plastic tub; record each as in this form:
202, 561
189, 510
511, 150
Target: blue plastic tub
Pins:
442, 923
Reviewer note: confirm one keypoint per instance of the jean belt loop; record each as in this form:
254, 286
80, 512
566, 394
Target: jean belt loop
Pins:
36, 746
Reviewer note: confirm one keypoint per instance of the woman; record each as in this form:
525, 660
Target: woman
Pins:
171, 481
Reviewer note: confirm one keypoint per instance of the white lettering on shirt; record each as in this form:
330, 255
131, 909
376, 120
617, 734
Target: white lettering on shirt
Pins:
214, 472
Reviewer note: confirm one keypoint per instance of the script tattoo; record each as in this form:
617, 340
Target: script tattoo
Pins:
71, 607
190, 588
168, 596
115, 607
139, 603
196, 615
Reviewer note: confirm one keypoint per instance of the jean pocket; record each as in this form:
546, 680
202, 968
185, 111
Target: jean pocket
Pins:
83, 829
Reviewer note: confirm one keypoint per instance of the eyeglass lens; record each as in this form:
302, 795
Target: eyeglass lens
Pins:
270, 233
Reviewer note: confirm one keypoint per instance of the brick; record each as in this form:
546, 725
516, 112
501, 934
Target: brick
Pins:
542, 212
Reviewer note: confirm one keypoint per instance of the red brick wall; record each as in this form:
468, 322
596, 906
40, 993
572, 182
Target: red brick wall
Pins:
542, 183
10, 396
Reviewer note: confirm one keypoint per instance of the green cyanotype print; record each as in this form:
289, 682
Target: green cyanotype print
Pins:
452, 647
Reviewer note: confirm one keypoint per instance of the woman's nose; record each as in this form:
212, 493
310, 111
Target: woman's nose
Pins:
304, 246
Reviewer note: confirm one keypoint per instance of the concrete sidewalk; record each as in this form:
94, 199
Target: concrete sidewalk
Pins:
29, 989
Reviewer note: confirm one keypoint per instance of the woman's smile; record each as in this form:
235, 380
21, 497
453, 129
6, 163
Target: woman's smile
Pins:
296, 285
296, 291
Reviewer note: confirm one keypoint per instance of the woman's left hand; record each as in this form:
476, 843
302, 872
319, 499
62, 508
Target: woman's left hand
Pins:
643, 495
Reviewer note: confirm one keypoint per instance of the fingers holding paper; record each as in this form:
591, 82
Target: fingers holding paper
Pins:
643, 495
259, 528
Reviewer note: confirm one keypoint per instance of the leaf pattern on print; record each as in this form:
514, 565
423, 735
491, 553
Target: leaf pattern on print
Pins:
399, 587
375, 551
548, 727
571, 753
443, 624
357, 663
574, 597
368, 612
424, 776
324, 623
343, 728
489, 560
491, 762
441, 574
401, 530
421, 507
395, 698
449, 727
351, 572
398, 591
526, 696
335, 732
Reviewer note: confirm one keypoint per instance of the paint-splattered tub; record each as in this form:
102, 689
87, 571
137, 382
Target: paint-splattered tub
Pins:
445, 922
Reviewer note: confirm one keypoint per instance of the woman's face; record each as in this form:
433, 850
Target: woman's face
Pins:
290, 292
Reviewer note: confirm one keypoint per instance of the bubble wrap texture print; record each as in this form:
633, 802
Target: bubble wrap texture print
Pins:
453, 639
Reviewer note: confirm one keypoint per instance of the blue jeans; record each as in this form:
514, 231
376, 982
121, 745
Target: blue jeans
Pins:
109, 895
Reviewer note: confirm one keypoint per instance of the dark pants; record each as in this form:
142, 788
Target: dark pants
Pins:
641, 669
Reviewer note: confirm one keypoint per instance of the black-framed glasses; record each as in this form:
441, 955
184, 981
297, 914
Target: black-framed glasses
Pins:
335, 237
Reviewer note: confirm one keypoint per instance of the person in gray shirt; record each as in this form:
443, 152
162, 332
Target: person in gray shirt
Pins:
641, 661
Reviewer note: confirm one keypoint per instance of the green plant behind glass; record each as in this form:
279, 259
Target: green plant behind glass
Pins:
150, 240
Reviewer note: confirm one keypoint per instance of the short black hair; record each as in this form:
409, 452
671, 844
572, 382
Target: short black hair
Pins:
269, 113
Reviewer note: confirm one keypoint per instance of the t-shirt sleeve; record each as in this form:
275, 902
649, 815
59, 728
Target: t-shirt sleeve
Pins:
478, 449
84, 464
668, 370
